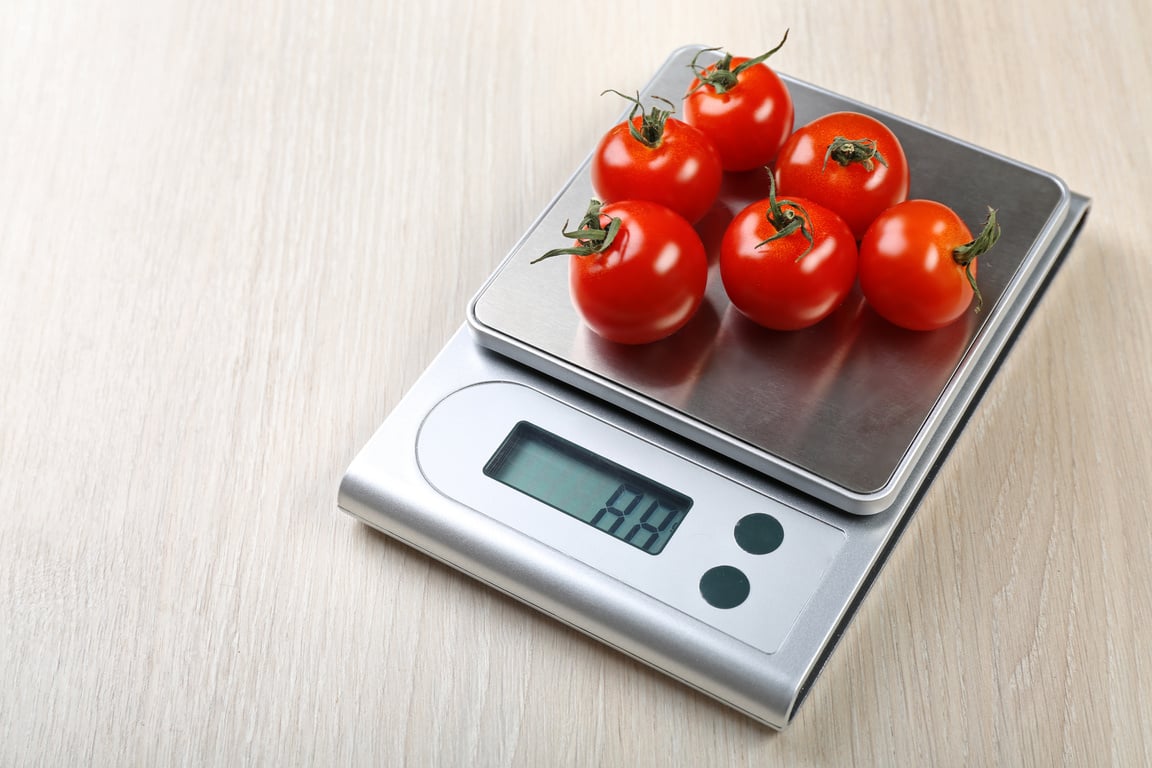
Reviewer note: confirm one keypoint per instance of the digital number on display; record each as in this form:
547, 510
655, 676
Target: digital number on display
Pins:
614, 499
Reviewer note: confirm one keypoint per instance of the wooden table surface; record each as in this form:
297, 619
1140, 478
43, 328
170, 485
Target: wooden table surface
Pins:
232, 235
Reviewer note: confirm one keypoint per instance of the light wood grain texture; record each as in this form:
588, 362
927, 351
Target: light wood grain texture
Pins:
232, 235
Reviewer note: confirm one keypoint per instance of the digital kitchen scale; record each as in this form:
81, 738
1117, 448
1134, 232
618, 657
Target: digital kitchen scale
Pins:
715, 504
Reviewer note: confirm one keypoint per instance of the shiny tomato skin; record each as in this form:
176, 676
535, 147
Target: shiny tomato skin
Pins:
681, 172
748, 123
648, 283
769, 285
856, 194
907, 270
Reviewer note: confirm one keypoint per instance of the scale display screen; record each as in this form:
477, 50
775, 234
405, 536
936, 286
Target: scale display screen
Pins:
574, 480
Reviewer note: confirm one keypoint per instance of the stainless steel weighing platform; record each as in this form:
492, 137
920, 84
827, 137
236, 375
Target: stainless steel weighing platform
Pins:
799, 456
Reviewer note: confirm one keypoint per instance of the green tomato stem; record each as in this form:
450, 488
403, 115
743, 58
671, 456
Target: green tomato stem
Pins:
591, 237
787, 221
966, 254
723, 78
847, 151
651, 129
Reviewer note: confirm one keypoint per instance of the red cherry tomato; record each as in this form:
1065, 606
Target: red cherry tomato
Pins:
743, 106
775, 275
653, 156
848, 162
637, 272
918, 264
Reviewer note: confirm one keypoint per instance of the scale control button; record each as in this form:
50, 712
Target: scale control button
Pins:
724, 586
759, 533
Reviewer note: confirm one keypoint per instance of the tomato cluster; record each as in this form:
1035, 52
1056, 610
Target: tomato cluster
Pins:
836, 214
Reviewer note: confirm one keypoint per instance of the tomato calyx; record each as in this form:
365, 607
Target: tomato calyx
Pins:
787, 221
651, 129
590, 235
722, 78
847, 151
965, 254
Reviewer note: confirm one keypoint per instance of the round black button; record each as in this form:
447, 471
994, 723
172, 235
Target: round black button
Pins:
724, 586
759, 533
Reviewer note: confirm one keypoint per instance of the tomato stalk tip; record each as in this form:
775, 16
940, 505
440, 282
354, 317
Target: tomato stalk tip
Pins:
966, 254
591, 237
